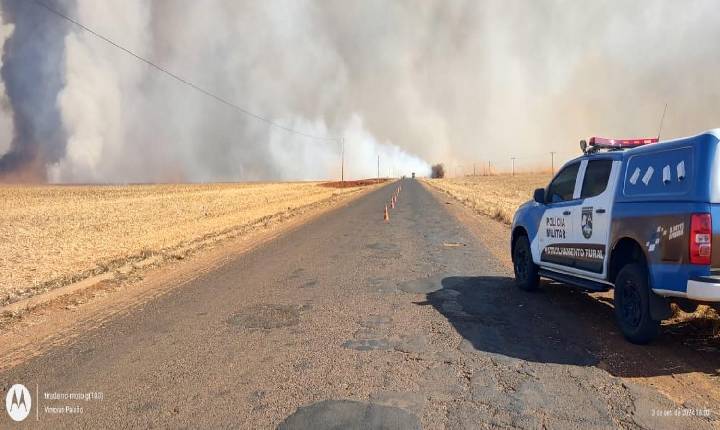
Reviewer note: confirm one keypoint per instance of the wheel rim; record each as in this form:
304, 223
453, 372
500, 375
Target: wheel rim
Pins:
521, 263
630, 306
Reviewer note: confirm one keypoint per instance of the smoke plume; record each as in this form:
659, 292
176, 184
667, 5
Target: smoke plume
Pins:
458, 81
32, 72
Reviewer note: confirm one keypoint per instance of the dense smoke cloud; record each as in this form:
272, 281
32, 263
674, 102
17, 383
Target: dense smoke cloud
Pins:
6, 127
413, 82
32, 73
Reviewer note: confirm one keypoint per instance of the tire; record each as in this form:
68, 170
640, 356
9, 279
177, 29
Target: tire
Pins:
632, 305
526, 271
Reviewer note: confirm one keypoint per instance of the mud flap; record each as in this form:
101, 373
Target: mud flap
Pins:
659, 307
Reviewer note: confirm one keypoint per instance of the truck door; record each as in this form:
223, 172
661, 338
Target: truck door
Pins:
555, 231
592, 222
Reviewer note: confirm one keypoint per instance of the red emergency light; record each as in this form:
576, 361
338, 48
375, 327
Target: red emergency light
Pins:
602, 142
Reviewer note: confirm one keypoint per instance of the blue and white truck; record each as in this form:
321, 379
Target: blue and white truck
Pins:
632, 215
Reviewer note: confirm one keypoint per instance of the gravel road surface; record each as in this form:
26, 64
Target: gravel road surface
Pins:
350, 322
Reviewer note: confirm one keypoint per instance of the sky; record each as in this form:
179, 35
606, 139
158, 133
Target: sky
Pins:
415, 83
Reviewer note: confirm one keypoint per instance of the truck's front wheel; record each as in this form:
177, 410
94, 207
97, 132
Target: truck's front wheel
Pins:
526, 272
632, 305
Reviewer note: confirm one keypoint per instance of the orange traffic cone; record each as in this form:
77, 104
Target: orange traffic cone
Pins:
392, 203
387, 215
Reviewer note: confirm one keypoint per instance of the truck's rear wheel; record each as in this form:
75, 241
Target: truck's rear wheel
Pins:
632, 305
526, 272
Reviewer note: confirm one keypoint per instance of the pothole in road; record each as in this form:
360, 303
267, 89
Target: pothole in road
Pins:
423, 285
349, 414
367, 344
376, 321
309, 284
367, 333
296, 274
413, 344
266, 317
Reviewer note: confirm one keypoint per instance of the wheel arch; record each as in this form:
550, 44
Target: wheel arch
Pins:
624, 251
516, 233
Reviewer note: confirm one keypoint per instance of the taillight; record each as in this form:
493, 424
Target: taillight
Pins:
700, 238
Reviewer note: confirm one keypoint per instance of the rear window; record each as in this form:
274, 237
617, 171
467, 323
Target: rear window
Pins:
596, 179
562, 187
666, 173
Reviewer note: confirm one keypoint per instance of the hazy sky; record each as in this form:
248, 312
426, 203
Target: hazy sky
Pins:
416, 82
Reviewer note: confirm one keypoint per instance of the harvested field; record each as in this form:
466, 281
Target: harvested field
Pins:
496, 196
55, 235
350, 184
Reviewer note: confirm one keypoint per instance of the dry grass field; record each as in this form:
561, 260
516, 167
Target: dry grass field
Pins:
496, 196
55, 235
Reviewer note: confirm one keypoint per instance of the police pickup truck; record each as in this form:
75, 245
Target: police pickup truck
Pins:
633, 215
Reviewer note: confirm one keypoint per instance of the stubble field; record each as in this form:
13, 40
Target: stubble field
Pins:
55, 235
496, 196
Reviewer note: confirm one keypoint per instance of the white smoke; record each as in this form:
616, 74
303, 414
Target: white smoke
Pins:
6, 125
126, 122
101, 95
458, 81
365, 157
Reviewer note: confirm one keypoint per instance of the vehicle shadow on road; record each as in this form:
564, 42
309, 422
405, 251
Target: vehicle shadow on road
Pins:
557, 325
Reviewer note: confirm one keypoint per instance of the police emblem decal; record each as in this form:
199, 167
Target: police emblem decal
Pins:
586, 222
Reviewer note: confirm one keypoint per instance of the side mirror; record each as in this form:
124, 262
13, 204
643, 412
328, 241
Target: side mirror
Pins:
539, 195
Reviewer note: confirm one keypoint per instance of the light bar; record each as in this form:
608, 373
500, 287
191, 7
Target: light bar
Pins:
603, 142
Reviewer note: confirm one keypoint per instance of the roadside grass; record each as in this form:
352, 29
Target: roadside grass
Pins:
496, 196
52, 236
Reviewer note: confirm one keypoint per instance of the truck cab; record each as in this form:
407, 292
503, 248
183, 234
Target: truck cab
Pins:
632, 215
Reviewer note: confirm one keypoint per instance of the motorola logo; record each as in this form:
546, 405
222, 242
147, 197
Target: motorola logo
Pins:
18, 402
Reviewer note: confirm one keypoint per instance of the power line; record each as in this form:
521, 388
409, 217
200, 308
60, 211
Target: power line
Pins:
180, 79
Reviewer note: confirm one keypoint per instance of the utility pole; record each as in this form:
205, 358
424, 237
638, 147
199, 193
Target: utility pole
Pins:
513, 165
489, 168
473, 169
378, 168
342, 160
552, 161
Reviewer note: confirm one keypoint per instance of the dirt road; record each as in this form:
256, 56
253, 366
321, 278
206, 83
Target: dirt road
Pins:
350, 322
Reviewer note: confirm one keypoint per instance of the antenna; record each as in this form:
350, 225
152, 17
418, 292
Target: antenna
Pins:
662, 119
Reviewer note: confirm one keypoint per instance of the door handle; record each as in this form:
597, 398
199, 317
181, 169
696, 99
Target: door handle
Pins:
599, 211
566, 213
